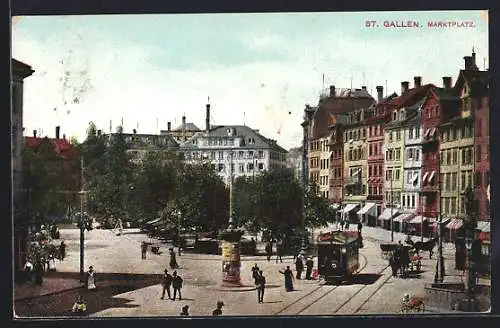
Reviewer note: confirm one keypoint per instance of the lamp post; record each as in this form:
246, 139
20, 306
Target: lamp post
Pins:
82, 225
471, 279
179, 240
392, 208
440, 269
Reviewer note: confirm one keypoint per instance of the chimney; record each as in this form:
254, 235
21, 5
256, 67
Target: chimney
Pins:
380, 93
404, 86
169, 126
184, 122
363, 88
332, 91
446, 82
34, 133
469, 63
207, 118
58, 130
417, 81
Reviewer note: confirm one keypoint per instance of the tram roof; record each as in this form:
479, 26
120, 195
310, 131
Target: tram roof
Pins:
338, 237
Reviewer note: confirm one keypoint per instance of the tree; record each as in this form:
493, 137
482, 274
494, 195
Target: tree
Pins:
245, 201
317, 210
203, 198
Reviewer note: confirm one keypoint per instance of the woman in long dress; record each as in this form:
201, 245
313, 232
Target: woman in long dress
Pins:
90, 281
288, 278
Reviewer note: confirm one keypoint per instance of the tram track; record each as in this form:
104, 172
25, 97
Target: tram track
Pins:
315, 289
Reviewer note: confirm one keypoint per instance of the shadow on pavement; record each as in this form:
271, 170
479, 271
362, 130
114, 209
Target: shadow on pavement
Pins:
60, 303
358, 279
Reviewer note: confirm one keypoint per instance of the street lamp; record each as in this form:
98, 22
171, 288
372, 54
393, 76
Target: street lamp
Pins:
392, 207
440, 269
179, 217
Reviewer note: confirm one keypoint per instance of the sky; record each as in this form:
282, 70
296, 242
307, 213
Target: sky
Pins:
255, 69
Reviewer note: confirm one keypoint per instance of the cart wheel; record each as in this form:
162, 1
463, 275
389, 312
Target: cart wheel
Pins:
419, 266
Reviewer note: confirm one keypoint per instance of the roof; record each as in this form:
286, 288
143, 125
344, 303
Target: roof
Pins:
338, 237
411, 97
241, 131
477, 81
21, 69
62, 147
336, 105
144, 140
189, 127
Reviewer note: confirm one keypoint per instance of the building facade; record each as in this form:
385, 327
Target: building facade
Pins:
336, 143
294, 162
20, 71
324, 167
412, 163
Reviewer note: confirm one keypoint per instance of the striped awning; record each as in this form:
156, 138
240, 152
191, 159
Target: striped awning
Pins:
403, 217
436, 221
369, 208
348, 208
386, 214
484, 226
418, 219
455, 224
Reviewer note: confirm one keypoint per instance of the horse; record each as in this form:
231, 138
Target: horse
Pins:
399, 260
423, 246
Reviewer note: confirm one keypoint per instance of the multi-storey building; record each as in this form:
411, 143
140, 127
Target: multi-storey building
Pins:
233, 150
139, 143
355, 163
20, 71
375, 139
400, 107
336, 176
316, 128
184, 131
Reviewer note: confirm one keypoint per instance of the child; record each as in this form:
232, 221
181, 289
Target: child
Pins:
185, 309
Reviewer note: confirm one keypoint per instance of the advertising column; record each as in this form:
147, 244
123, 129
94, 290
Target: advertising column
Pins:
231, 263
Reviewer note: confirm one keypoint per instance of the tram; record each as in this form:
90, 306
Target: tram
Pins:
338, 255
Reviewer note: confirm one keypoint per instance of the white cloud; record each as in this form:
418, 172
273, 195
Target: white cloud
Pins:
127, 84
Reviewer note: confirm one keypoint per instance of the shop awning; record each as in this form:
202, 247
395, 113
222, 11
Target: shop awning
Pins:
386, 214
414, 178
418, 219
425, 177
403, 217
369, 208
348, 208
455, 224
484, 226
432, 175
436, 221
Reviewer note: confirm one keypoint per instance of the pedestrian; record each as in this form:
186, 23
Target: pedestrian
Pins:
144, 250
218, 310
255, 272
269, 250
90, 279
28, 270
360, 226
346, 226
62, 250
166, 282
51, 263
173, 261
279, 251
79, 307
38, 272
288, 278
309, 267
179, 250
299, 266
177, 285
261, 286
185, 310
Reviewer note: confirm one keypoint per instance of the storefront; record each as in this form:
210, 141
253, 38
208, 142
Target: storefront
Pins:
451, 229
384, 220
368, 214
401, 221
348, 213
417, 226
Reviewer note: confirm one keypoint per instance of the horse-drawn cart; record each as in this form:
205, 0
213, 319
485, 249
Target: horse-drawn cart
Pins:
415, 263
388, 250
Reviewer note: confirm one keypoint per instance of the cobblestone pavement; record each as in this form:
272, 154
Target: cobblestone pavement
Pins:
376, 291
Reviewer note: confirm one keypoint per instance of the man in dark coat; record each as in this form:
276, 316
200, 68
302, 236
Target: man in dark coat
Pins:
38, 272
299, 266
255, 272
261, 286
360, 226
166, 282
144, 250
269, 251
62, 250
218, 310
309, 267
279, 251
177, 285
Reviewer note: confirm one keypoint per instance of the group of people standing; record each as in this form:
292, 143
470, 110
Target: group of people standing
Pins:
171, 280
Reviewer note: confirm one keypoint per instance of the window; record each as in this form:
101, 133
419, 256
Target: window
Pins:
469, 178
453, 202
417, 132
398, 135
394, 115
390, 136
478, 127
416, 154
242, 168
403, 201
220, 167
249, 166
410, 133
478, 179
375, 150
398, 154
410, 154
455, 157
408, 177
478, 153
370, 171
448, 182
454, 180
370, 149
261, 154
364, 132
448, 157
221, 155
397, 174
